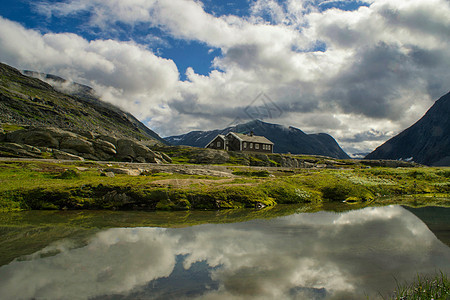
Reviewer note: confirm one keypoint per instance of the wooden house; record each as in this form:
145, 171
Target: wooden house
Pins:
241, 142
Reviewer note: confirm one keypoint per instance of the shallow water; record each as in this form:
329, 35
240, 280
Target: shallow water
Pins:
321, 255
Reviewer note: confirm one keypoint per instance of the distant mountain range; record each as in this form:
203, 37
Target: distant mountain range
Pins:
426, 142
27, 100
286, 139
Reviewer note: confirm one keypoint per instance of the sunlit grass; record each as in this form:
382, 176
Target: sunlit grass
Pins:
424, 287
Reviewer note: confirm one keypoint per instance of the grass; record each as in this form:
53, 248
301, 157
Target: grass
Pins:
35, 185
425, 287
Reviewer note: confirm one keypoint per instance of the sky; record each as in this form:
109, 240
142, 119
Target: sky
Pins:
361, 71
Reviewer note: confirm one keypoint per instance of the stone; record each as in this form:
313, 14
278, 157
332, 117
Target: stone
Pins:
43, 137
129, 150
76, 145
130, 172
210, 156
105, 146
166, 157
20, 150
58, 154
107, 174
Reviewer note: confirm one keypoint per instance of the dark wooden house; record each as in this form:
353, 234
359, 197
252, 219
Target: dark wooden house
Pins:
241, 142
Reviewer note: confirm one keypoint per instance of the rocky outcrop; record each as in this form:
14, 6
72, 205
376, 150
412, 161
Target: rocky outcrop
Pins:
209, 156
63, 144
15, 149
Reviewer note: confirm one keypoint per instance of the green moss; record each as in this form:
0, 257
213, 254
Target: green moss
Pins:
10, 127
68, 174
262, 173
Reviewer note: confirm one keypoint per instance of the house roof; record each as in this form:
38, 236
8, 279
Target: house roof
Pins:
219, 135
251, 139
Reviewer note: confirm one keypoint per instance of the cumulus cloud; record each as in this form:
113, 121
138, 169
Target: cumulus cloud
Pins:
124, 73
318, 256
379, 65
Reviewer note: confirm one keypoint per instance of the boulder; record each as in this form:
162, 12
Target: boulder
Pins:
40, 137
76, 145
130, 172
108, 138
129, 150
58, 154
210, 156
107, 174
20, 150
105, 146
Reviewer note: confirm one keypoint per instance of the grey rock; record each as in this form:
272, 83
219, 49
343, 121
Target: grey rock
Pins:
20, 150
165, 157
129, 150
209, 156
76, 145
130, 172
107, 174
117, 198
113, 140
40, 137
58, 154
105, 146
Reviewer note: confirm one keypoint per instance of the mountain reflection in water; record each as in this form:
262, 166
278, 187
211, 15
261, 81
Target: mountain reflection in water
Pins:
321, 255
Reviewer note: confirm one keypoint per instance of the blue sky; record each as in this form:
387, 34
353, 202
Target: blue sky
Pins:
361, 71
195, 54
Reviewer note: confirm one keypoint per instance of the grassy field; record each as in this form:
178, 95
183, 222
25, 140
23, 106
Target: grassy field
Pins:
26, 185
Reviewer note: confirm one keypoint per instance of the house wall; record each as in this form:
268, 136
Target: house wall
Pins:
257, 147
233, 143
214, 144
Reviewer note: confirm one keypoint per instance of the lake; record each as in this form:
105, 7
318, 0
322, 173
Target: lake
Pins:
286, 253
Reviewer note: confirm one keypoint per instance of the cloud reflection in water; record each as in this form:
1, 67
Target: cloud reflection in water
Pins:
304, 256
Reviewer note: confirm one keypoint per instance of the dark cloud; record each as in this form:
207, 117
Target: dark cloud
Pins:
373, 83
370, 135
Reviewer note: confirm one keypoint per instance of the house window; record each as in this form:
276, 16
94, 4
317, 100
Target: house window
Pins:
245, 144
256, 146
268, 147
251, 145
219, 144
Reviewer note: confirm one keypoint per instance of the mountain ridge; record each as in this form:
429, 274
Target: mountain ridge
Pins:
286, 139
426, 142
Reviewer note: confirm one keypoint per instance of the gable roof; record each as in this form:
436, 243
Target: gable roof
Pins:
251, 139
217, 136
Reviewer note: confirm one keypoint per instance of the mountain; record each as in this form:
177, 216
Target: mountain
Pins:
426, 142
27, 100
286, 139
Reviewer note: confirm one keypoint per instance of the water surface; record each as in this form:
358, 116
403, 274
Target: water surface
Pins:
322, 255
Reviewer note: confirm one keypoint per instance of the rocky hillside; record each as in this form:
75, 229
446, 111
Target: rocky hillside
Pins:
426, 142
30, 101
286, 139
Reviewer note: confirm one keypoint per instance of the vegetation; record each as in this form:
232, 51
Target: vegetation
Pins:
436, 287
40, 185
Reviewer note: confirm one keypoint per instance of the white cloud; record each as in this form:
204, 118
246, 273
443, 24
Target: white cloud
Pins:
124, 73
382, 64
